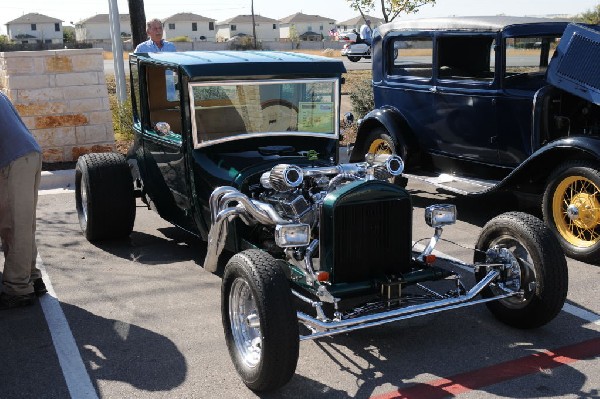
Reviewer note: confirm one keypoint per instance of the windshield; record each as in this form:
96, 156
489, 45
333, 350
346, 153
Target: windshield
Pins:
225, 111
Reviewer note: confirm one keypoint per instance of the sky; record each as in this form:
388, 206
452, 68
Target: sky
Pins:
72, 11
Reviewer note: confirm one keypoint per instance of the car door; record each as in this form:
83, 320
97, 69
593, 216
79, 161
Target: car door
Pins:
465, 96
164, 146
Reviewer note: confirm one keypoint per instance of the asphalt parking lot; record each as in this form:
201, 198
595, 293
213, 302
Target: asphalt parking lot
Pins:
141, 318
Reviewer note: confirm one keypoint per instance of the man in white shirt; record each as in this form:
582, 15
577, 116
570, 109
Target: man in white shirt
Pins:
365, 32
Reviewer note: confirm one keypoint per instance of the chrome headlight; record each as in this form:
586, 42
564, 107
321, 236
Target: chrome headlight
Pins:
292, 235
440, 215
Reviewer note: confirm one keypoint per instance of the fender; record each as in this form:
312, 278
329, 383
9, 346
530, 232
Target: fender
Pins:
389, 118
530, 176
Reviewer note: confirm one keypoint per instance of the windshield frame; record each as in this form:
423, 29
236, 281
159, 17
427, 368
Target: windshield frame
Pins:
242, 136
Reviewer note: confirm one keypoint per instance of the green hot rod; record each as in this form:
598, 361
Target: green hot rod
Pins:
241, 149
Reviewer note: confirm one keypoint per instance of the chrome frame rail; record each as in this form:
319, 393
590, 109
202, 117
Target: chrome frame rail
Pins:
329, 328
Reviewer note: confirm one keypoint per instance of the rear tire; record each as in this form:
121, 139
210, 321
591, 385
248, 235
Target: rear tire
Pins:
353, 58
540, 266
104, 196
260, 323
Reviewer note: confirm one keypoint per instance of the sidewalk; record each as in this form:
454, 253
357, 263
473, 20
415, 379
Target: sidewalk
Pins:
57, 181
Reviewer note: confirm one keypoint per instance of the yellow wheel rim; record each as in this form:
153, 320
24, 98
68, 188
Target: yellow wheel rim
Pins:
380, 146
576, 211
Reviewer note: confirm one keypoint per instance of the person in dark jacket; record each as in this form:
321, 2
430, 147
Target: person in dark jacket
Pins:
20, 172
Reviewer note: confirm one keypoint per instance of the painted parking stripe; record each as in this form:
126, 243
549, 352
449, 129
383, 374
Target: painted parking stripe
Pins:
582, 313
469, 381
76, 376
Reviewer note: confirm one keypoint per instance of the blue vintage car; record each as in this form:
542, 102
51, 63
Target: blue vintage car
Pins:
478, 105
241, 149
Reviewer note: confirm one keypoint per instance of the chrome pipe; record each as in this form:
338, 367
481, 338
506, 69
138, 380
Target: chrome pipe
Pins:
217, 236
474, 291
308, 264
214, 199
432, 243
331, 332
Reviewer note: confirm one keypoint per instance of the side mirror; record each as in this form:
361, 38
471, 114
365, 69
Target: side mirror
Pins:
349, 118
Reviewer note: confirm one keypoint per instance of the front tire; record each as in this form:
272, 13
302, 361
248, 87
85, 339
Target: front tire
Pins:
539, 270
261, 327
571, 208
104, 196
353, 58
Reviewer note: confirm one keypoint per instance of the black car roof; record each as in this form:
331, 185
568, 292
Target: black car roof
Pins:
237, 63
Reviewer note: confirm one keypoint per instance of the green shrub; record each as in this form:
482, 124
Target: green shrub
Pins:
361, 98
122, 114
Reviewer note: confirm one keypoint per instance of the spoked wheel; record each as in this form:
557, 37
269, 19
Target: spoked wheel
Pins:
536, 269
260, 323
571, 207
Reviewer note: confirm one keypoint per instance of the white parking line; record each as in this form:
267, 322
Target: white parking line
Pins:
567, 307
76, 376
582, 313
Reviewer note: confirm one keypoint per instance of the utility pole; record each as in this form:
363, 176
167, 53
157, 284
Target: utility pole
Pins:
253, 24
117, 48
137, 16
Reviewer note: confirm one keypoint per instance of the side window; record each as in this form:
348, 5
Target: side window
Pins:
466, 58
529, 55
412, 57
163, 98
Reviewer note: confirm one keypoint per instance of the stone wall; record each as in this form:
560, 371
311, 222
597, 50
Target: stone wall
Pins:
62, 97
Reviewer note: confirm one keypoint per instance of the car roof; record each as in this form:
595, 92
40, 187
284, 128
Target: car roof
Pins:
494, 23
244, 63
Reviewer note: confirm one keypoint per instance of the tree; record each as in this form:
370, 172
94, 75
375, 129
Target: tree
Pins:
294, 37
68, 34
389, 8
137, 19
591, 16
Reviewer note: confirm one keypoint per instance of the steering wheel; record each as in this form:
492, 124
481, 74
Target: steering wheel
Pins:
279, 116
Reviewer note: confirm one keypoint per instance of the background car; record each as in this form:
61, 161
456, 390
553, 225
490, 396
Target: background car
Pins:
485, 104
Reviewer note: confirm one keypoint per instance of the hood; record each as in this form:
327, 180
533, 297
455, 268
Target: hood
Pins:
574, 65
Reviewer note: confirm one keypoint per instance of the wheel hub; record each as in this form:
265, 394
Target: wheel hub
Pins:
584, 211
379, 146
576, 211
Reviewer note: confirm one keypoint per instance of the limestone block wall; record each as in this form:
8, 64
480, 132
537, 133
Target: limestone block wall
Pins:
62, 97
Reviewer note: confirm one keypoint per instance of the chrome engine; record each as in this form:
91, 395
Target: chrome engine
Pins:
288, 202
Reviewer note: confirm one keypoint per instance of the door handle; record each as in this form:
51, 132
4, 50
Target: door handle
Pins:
433, 89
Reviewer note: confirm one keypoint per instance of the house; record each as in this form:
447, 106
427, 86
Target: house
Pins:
306, 27
267, 29
35, 28
357, 22
194, 26
96, 29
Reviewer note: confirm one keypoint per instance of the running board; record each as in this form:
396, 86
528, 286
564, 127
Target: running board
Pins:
455, 184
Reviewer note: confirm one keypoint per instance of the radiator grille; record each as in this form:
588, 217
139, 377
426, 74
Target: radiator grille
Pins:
580, 63
371, 239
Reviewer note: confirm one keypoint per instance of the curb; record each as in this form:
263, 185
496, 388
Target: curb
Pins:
59, 179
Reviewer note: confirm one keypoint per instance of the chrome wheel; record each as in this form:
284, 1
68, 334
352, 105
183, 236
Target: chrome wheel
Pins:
84, 200
520, 275
245, 323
